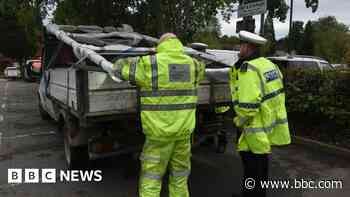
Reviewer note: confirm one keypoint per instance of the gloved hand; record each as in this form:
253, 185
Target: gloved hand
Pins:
240, 121
114, 70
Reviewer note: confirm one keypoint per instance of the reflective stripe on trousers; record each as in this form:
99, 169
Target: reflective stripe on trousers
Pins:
156, 158
152, 176
181, 173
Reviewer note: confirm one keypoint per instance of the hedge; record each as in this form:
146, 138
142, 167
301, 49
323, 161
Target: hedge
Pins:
318, 104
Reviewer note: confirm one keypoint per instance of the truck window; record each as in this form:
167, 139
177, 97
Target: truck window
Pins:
303, 65
280, 63
325, 66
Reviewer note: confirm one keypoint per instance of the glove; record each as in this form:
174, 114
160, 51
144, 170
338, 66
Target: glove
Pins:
240, 121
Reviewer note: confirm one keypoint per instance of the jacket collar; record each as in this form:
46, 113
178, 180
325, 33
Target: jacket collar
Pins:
170, 45
240, 62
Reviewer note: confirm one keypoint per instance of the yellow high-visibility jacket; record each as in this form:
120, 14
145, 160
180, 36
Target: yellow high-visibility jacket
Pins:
168, 83
259, 102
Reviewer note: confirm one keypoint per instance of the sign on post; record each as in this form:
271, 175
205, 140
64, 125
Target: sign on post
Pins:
251, 7
247, 25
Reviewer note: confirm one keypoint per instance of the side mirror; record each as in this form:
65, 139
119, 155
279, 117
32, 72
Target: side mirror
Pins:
32, 70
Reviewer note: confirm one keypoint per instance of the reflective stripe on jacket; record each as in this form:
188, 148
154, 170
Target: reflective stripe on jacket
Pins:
168, 83
259, 102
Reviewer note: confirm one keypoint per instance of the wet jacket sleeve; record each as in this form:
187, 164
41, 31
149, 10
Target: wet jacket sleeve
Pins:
129, 69
200, 73
249, 97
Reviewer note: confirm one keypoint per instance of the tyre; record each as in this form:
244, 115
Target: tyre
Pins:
77, 157
26, 76
43, 114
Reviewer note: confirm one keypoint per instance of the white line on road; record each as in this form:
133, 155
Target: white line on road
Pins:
1, 118
3, 105
29, 135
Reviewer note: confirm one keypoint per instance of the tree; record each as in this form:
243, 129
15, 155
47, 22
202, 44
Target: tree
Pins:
330, 39
76, 12
269, 34
277, 9
229, 42
308, 40
313, 4
297, 34
346, 59
20, 24
209, 34
152, 17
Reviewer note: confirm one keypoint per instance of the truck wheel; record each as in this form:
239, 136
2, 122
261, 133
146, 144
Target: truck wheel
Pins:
25, 75
43, 114
77, 157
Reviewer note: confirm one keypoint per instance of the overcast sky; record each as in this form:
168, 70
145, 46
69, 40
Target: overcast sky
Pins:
338, 8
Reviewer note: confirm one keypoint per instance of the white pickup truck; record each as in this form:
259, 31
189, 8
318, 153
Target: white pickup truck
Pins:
98, 116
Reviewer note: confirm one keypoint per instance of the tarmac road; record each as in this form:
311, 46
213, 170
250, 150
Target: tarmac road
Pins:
29, 142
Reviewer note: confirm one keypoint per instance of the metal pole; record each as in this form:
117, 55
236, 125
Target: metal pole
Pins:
262, 24
290, 26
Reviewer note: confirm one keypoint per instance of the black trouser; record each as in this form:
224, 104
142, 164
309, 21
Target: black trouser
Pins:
255, 166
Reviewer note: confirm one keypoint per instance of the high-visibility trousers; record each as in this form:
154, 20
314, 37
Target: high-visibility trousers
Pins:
156, 158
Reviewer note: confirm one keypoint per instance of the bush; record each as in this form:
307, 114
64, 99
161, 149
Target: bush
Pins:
319, 103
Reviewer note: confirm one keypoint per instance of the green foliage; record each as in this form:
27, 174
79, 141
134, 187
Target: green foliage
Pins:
269, 34
308, 40
229, 42
313, 4
20, 23
297, 35
331, 39
277, 9
346, 59
326, 38
215, 42
316, 94
152, 17
76, 12
208, 38
209, 34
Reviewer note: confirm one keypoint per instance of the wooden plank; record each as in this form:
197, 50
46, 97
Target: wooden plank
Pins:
58, 86
121, 100
100, 80
59, 76
105, 95
222, 93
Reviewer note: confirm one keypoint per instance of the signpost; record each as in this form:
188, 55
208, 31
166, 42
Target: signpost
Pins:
247, 9
251, 7
247, 24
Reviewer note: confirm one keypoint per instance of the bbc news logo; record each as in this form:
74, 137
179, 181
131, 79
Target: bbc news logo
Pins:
49, 175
